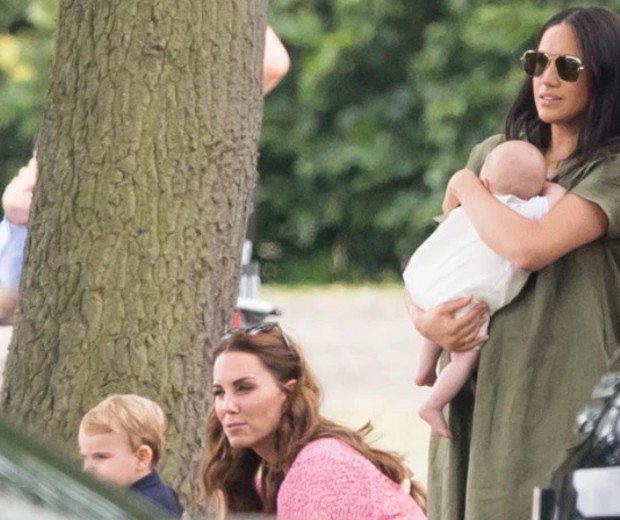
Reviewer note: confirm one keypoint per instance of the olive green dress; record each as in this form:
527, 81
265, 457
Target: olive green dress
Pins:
546, 352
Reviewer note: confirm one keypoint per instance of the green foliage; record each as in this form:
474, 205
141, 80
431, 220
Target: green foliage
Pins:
468, 74
26, 45
384, 100
339, 138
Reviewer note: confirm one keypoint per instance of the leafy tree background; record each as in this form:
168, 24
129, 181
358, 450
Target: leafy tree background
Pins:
384, 100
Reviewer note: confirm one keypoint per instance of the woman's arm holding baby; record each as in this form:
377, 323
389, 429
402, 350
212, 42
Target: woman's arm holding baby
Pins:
532, 245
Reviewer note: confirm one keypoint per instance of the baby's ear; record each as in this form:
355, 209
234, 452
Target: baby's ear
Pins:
145, 455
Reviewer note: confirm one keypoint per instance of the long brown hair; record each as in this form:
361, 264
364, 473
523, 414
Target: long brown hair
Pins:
598, 32
231, 473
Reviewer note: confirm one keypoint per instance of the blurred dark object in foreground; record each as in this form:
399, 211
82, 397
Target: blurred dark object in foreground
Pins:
587, 483
38, 483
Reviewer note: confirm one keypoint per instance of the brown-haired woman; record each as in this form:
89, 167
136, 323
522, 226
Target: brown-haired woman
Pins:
270, 451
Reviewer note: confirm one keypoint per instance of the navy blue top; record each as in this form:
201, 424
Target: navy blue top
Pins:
157, 492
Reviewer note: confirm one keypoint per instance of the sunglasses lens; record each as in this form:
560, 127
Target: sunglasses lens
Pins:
266, 327
534, 63
568, 68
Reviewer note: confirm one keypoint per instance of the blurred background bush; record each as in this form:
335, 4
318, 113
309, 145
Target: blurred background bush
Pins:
384, 100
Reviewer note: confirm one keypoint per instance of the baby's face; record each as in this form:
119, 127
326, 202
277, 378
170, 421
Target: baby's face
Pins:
109, 457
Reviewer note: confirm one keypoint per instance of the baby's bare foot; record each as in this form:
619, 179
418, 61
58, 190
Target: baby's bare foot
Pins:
434, 417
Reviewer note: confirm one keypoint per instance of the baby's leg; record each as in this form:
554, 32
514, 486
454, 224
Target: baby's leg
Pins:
450, 381
426, 374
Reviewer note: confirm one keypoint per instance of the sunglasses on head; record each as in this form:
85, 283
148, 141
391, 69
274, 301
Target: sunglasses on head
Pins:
265, 327
535, 63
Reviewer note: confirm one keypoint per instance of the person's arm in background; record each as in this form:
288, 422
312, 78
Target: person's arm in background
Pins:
276, 61
16, 201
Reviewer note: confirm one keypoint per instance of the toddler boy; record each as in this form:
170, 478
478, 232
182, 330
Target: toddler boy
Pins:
121, 440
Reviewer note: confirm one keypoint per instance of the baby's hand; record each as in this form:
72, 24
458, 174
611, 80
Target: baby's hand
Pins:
449, 203
451, 199
554, 192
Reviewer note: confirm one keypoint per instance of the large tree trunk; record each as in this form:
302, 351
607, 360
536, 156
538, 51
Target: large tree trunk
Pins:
148, 152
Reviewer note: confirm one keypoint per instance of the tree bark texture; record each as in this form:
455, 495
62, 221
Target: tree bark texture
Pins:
148, 153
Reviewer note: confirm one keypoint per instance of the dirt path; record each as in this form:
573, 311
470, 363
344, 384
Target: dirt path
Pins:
361, 344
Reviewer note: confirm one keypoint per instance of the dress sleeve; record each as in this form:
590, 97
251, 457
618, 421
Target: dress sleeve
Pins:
602, 187
480, 151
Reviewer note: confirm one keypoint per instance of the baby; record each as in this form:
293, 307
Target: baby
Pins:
121, 440
455, 262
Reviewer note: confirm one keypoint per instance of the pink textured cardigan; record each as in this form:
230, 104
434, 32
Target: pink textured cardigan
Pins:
329, 480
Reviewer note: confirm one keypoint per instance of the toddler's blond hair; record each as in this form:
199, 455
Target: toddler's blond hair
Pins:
142, 419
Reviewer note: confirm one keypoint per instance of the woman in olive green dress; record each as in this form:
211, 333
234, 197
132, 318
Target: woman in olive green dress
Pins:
550, 346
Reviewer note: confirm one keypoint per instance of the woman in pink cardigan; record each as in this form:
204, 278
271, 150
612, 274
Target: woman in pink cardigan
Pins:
270, 451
